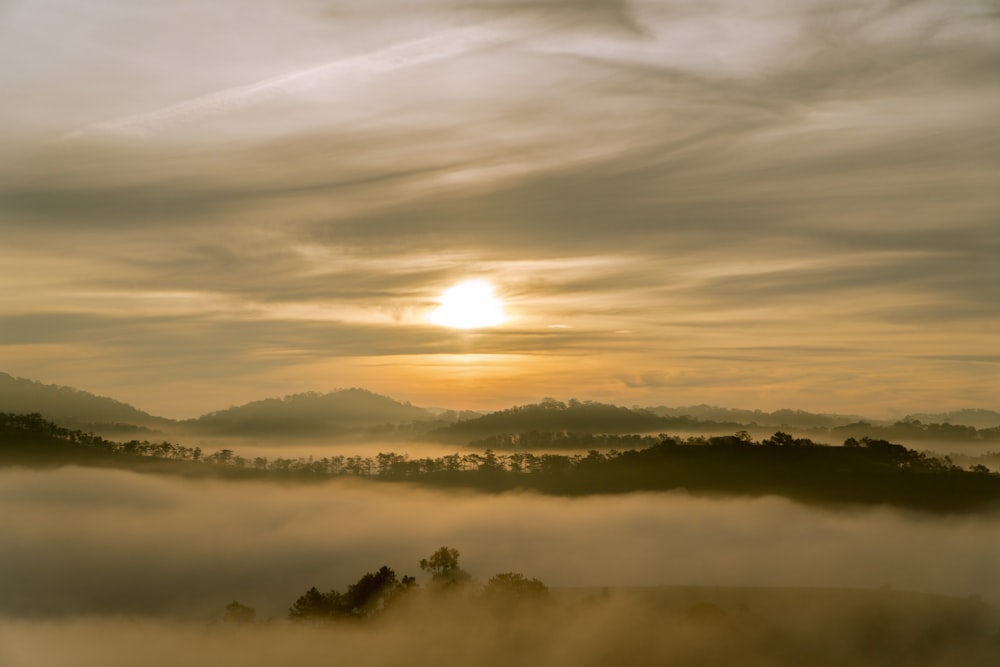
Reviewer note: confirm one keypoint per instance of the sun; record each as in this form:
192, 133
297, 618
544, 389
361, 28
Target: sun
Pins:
469, 305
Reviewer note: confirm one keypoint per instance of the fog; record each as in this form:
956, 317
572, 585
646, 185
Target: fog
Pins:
107, 567
305, 447
86, 541
622, 629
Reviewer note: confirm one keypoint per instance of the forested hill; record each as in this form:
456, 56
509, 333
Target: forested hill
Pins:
866, 471
575, 416
32, 440
71, 407
977, 418
785, 418
557, 425
360, 413
310, 413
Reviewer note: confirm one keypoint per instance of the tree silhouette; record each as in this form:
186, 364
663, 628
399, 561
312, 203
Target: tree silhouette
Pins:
313, 606
513, 585
443, 567
238, 614
372, 593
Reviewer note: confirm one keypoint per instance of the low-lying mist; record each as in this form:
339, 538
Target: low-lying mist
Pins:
294, 448
96, 541
623, 628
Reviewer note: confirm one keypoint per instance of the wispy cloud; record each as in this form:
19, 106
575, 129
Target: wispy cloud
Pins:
438, 46
703, 176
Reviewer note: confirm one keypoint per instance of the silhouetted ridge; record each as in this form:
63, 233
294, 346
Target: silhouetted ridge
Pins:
779, 418
310, 413
32, 440
69, 406
868, 471
549, 423
977, 418
575, 416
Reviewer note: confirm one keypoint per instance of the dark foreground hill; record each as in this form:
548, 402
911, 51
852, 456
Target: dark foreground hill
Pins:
868, 472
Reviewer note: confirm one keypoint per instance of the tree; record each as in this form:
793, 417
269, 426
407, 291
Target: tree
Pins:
389, 464
314, 606
443, 567
515, 585
490, 462
238, 614
374, 591
780, 438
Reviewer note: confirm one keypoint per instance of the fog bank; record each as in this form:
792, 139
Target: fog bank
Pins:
81, 541
624, 628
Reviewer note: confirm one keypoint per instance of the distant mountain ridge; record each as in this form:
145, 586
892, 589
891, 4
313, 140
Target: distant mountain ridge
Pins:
360, 412
784, 417
977, 418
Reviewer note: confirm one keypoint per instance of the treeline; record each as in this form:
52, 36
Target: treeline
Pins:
30, 438
865, 470
540, 440
914, 429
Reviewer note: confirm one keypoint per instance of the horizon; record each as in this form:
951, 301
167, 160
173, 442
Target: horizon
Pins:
757, 207
895, 415
696, 208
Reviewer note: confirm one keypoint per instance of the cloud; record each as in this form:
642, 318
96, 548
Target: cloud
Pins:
706, 175
647, 380
407, 54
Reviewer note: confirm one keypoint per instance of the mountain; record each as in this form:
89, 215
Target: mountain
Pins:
968, 417
73, 407
778, 418
576, 417
359, 412
310, 414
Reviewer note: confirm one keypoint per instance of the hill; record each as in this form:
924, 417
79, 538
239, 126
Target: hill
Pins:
779, 418
73, 407
977, 418
310, 414
362, 413
575, 416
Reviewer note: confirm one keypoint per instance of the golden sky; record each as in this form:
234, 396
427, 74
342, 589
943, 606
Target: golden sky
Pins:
785, 203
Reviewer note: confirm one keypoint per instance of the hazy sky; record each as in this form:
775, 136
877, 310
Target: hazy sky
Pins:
784, 203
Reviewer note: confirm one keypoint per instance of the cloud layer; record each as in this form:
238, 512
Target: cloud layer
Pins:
84, 542
790, 204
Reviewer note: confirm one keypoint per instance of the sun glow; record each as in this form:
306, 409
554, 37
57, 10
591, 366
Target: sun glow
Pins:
469, 305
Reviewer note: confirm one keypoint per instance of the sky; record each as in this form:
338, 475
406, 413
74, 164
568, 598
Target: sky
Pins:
784, 203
